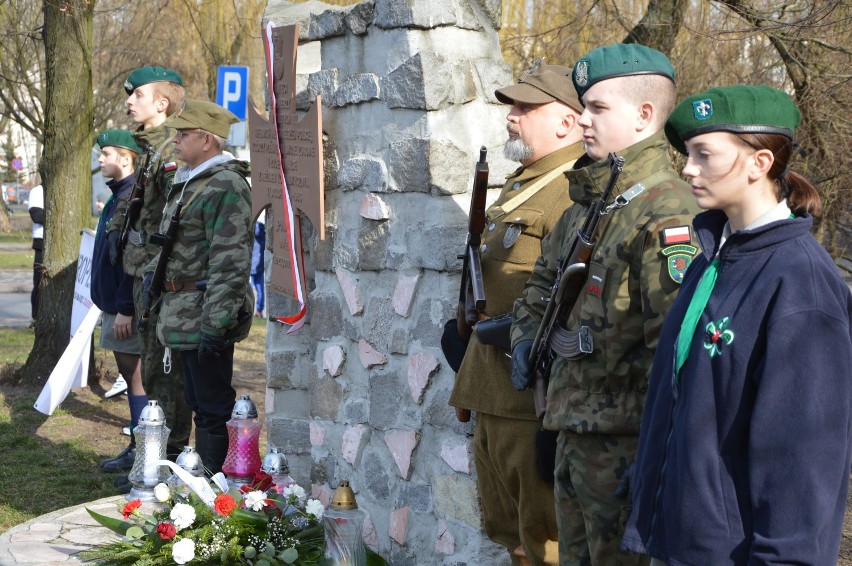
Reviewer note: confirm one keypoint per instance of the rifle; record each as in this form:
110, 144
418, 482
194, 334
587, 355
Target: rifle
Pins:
472, 291
137, 194
166, 242
570, 278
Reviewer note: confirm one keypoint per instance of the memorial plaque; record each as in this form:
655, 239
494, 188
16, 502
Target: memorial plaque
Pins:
287, 166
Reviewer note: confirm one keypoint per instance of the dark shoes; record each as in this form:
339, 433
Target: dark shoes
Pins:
123, 484
121, 463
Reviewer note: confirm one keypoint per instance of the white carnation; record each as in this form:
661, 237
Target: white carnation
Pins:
315, 508
183, 550
182, 515
255, 500
161, 492
296, 491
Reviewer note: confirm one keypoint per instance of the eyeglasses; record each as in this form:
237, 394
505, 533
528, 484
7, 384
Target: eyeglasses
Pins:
183, 133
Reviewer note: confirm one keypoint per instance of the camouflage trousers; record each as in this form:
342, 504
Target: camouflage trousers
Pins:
165, 388
591, 517
517, 505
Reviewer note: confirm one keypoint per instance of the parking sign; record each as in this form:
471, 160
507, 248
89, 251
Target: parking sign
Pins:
232, 90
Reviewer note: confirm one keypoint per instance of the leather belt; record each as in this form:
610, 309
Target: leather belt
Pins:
175, 286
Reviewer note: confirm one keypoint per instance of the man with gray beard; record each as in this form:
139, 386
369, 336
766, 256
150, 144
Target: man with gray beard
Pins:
518, 509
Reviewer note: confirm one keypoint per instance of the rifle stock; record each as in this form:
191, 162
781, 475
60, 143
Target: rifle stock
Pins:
134, 206
472, 291
570, 278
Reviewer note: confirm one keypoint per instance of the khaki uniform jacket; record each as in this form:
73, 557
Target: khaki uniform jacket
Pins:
135, 258
633, 279
213, 244
482, 383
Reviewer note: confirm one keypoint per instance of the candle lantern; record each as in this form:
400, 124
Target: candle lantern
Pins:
190, 461
275, 464
343, 522
243, 459
151, 435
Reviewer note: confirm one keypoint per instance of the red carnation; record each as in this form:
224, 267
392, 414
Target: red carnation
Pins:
166, 531
224, 504
131, 507
262, 481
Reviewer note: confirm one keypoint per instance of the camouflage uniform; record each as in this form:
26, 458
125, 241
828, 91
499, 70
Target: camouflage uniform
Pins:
166, 388
596, 402
213, 244
518, 507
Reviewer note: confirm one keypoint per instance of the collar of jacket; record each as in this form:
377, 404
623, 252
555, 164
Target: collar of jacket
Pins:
237, 166
121, 187
154, 137
588, 179
547, 163
709, 224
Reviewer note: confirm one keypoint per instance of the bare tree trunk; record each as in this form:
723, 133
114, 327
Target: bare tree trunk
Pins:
65, 172
659, 26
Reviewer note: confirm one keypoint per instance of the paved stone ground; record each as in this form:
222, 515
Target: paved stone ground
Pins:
53, 539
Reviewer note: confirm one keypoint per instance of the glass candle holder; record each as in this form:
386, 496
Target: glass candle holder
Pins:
242, 461
151, 435
344, 523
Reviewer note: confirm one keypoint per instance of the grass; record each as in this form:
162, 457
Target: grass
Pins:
16, 259
52, 462
16, 237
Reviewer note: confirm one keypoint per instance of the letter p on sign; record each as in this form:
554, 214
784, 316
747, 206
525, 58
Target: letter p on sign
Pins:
232, 90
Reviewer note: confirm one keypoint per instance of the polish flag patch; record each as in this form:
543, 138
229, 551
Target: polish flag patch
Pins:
676, 235
170, 166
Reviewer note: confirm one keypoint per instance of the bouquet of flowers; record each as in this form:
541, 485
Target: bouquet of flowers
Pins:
260, 524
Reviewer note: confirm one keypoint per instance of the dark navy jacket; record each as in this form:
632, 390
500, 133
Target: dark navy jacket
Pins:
112, 289
746, 460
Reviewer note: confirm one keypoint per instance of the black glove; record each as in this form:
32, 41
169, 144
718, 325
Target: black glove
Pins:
208, 350
146, 288
112, 245
623, 487
452, 345
521, 364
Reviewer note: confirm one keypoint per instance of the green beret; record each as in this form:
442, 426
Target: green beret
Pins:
204, 115
619, 60
541, 84
145, 75
744, 109
118, 138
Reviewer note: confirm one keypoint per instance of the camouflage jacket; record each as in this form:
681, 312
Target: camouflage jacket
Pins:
213, 245
136, 257
634, 274
508, 256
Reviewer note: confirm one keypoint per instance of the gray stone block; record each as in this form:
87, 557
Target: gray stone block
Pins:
403, 87
328, 23
373, 237
429, 325
440, 415
386, 391
492, 10
360, 17
416, 496
291, 436
323, 83
399, 341
456, 499
450, 166
326, 315
409, 165
378, 322
355, 412
295, 403
424, 14
402, 556
323, 469
323, 250
363, 172
375, 478
491, 75
361, 87
326, 397
281, 367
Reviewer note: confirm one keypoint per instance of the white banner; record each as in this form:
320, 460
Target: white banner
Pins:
72, 369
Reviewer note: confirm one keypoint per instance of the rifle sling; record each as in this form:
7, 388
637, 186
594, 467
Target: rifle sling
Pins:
529, 192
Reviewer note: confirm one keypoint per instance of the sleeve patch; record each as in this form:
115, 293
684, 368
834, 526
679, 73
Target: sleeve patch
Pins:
678, 258
676, 235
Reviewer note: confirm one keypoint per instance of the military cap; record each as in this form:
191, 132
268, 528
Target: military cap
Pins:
207, 116
743, 109
145, 75
118, 138
619, 60
543, 83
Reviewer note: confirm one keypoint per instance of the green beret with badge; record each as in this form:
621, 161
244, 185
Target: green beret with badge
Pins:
204, 115
743, 109
541, 84
619, 60
145, 75
118, 138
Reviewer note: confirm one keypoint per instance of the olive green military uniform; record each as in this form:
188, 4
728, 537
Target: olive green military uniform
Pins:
596, 402
166, 388
518, 507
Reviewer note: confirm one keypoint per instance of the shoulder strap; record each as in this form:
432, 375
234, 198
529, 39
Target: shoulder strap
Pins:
529, 192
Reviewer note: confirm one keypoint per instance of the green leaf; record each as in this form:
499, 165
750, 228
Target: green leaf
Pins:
289, 555
135, 532
250, 552
374, 559
115, 525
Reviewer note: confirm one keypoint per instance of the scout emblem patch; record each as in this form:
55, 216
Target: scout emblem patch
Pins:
677, 250
581, 73
513, 232
718, 336
702, 109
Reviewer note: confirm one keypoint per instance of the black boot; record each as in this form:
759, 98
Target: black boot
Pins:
121, 463
217, 449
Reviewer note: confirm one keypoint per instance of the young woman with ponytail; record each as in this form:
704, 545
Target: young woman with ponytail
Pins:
746, 441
